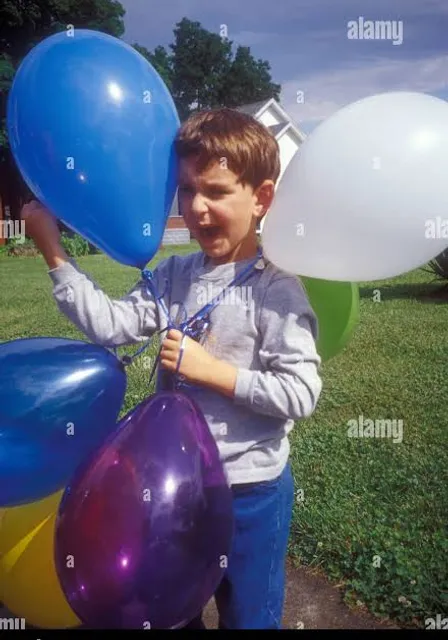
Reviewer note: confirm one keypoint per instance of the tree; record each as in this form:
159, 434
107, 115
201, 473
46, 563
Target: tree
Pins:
161, 62
201, 61
24, 23
202, 74
248, 81
6, 76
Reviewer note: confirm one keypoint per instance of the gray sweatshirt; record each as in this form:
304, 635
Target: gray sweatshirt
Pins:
265, 328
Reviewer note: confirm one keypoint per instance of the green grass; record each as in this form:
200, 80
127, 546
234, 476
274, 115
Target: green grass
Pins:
374, 514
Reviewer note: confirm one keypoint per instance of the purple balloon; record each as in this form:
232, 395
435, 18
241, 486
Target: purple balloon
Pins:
144, 529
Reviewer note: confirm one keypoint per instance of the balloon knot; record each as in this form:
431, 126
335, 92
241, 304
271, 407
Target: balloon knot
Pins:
147, 274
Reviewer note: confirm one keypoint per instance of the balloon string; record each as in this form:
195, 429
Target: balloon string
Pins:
195, 327
148, 277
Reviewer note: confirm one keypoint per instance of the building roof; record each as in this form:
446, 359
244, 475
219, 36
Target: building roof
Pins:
252, 108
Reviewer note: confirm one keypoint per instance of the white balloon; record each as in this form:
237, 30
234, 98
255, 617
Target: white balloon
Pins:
366, 195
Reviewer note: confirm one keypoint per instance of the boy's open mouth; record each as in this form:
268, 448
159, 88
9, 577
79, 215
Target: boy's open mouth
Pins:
209, 233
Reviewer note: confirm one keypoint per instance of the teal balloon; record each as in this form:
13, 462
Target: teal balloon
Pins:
91, 126
59, 401
336, 305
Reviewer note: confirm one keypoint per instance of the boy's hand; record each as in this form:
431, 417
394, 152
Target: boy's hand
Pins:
40, 224
42, 228
197, 365
196, 361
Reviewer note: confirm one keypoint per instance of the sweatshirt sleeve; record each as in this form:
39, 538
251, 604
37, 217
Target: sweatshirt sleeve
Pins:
289, 385
110, 323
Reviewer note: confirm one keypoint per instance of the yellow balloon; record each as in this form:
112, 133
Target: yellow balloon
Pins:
29, 585
21, 520
2, 511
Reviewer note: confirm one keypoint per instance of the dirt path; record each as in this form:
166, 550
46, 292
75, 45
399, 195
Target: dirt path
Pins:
311, 602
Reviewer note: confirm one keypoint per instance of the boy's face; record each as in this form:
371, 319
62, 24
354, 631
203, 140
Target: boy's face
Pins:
220, 213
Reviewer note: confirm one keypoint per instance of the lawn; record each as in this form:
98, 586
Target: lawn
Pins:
370, 513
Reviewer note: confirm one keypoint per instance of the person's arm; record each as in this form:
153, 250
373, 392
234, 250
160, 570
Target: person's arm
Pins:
131, 319
289, 385
42, 228
222, 378
110, 323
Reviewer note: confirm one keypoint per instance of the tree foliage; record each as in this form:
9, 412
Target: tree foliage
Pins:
202, 72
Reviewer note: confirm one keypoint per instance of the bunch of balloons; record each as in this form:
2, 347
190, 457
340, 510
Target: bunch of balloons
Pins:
105, 524
129, 524
141, 535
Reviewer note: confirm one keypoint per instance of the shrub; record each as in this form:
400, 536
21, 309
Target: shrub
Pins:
439, 266
94, 250
75, 245
17, 247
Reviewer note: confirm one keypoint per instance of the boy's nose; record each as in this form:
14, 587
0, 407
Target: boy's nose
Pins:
199, 205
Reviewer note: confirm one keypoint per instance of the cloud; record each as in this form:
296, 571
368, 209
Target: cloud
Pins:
325, 93
306, 44
250, 38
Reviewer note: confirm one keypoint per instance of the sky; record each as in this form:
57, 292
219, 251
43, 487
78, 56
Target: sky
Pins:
323, 53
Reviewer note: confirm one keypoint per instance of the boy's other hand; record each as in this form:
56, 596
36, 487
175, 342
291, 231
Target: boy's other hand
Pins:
41, 226
196, 361
197, 365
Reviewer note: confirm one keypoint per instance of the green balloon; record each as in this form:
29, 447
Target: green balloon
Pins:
336, 305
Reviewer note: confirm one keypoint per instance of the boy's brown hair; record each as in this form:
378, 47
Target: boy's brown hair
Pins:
249, 148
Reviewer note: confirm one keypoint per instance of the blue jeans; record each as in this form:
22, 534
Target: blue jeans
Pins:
251, 593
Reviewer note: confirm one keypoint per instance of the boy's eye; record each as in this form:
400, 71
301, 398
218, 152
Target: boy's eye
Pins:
213, 191
217, 191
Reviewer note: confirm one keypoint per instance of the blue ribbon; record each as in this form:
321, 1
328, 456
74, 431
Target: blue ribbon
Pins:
195, 326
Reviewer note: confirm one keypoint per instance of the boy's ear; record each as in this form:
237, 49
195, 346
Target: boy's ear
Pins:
264, 195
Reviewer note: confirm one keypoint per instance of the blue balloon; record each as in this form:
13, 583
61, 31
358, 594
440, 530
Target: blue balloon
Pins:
91, 125
59, 401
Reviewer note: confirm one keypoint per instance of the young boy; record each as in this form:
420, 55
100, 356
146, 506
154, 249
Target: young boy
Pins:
257, 370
